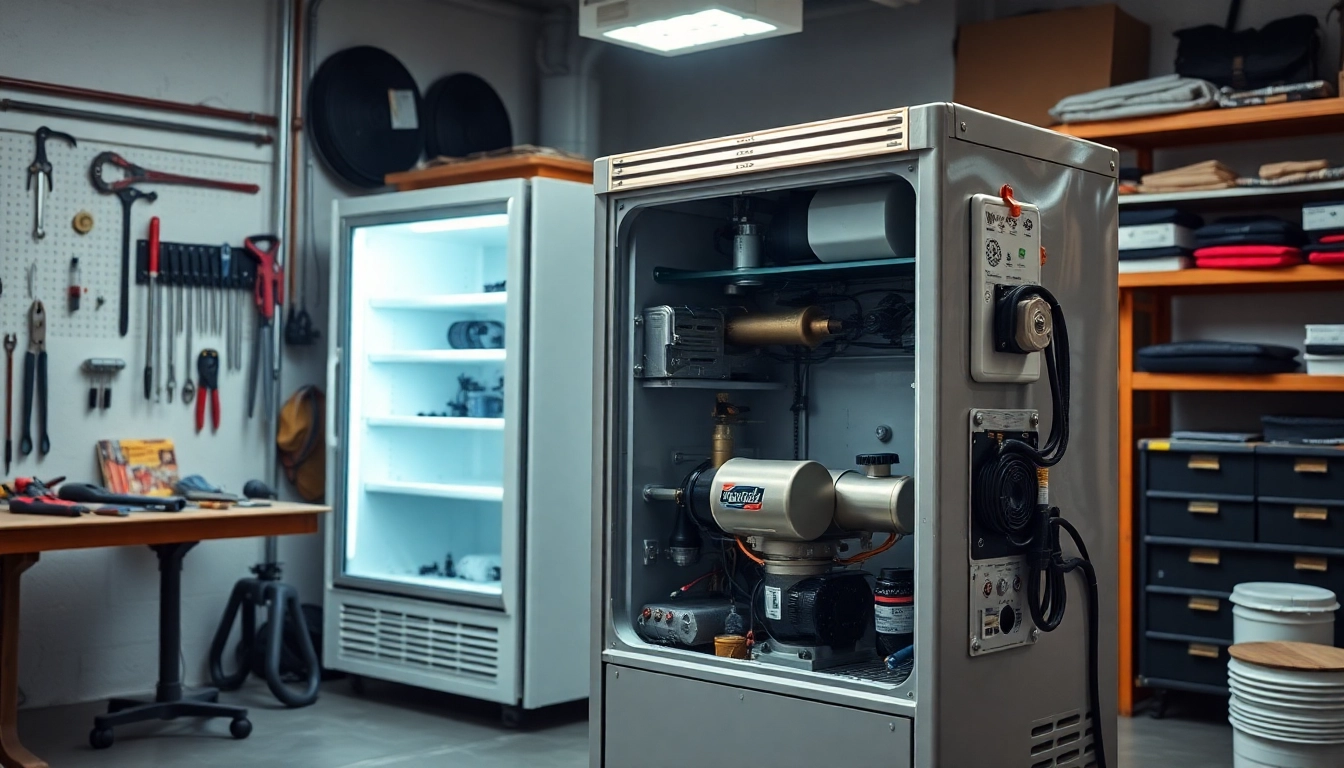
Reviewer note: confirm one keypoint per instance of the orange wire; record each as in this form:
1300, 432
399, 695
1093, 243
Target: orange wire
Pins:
748, 553
859, 558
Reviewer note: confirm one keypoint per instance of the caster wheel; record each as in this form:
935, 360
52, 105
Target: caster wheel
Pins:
241, 728
100, 738
357, 685
511, 717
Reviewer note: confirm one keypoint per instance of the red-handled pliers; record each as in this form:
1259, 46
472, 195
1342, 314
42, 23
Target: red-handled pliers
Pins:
137, 175
268, 293
207, 372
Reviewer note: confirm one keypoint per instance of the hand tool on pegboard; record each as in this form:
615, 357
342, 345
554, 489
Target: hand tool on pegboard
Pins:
11, 342
75, 290
41, 170
127, 196
188, 386
101, 370
207, 370
134, 174
166, 280
268, 294
35, 381
149, 304
226, 301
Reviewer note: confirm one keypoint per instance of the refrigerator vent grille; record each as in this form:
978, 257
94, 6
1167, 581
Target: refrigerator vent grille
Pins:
1062, 741
441, 645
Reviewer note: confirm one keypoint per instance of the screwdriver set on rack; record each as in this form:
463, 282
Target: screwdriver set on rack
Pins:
211, 283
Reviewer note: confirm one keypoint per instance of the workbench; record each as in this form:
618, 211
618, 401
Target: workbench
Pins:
170, 534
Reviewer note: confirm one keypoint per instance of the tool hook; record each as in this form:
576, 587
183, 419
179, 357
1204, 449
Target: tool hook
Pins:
41, 165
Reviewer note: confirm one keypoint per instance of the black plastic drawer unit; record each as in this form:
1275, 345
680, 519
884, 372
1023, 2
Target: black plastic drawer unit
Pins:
1300, 522
1300, 472
1186, 662
1198, 616
1200, 468
1201, 518
1208, 568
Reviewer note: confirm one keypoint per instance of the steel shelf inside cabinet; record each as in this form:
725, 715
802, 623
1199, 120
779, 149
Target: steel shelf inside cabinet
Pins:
903, 267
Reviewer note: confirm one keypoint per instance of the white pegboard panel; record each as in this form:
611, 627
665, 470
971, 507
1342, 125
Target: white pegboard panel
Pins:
187, 215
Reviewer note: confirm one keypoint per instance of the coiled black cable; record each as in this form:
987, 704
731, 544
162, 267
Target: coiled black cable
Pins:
1005, 497
1060, 377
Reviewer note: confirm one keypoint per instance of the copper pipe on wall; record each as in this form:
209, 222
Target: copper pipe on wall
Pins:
808, 327
296, 139
110, 97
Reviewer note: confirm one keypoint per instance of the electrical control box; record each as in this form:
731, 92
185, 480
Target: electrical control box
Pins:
833, 377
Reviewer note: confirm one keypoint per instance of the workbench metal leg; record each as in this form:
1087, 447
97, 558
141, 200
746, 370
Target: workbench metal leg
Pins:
12, 753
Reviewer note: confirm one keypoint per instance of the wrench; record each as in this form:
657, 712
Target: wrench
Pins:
137, 175
41, 168
128, 196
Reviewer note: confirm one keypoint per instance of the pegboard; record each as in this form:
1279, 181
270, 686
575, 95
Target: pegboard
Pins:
187, 214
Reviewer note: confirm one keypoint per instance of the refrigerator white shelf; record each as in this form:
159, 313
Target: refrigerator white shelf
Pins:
437, 422
440, 356
444, 301
709, 384
438, 582
439, 490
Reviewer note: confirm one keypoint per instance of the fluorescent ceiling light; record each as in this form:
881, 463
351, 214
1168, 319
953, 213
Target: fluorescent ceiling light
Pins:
461, 223
672, 27
691, 30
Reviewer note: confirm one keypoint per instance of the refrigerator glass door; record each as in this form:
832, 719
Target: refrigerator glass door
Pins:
432, 365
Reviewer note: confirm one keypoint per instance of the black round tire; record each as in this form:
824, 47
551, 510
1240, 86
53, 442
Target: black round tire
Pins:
100, 738
240, 727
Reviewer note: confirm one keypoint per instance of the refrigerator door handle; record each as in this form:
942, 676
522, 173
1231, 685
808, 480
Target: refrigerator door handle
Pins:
333, 360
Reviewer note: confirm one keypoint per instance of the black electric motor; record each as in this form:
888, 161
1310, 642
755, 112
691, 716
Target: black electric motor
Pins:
832, 609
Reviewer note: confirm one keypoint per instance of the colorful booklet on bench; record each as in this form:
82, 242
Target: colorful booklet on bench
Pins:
141, 467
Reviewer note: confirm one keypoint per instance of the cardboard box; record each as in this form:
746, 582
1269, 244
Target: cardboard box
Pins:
1020, 67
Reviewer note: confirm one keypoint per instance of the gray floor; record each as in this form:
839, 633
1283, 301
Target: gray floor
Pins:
393, 726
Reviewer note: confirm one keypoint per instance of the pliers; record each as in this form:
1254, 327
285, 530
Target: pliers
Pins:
268, 293
137, 175
35, 372
207, 371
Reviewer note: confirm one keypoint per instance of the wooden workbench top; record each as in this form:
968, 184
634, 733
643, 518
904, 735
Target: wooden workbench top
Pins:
41, 533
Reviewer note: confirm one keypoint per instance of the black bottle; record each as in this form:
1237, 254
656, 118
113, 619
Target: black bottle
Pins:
894, 610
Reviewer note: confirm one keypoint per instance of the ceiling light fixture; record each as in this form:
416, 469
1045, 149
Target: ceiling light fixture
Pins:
672, 27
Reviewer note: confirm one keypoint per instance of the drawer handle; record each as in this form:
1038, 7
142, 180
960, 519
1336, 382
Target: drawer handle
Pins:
1202, 507
1209, 604
1203, 461
1203, 651
1304, 563
1304, 466
1205, 556
1311, 513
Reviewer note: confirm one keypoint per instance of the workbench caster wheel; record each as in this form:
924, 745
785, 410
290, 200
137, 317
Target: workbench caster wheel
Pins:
241, 728
511, 717
100, 738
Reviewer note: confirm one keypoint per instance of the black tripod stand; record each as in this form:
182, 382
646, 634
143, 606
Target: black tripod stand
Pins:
258, 652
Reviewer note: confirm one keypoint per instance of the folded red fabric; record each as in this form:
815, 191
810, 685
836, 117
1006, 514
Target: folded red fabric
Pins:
1247, 251
1331, 239
1326, 258
1250, 262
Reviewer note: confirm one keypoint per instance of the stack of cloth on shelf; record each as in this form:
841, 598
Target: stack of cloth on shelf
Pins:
1292, 172
1275, 94
1154, 96
1307, 430
1157, 240
1324, 225
1199, 177
1217, 357
1248, 242
1325, 350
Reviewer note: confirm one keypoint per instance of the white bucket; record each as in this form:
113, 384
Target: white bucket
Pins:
1269, 611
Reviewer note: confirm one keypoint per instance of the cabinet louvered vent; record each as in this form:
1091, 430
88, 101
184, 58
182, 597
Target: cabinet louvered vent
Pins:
451, 647
1062, 741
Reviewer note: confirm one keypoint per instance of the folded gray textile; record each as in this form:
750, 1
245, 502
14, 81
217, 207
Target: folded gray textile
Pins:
1154, 96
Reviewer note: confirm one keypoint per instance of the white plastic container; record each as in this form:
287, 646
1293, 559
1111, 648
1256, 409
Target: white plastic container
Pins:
1325, 334
1252, 751
1268, 611
1324, 365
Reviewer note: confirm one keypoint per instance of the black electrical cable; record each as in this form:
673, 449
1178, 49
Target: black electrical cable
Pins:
1005, 497
1057, 367
1047, 600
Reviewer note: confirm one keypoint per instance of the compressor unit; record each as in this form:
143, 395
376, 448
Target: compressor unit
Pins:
854, 450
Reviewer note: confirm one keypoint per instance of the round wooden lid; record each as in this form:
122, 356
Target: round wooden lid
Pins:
1300, 657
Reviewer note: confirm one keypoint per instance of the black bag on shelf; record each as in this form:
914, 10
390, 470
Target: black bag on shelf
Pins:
1286, 50
1321, 430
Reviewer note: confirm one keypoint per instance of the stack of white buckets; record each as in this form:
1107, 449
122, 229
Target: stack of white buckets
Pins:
1282, 718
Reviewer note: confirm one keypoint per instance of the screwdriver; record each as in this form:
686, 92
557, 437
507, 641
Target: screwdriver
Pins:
149, 317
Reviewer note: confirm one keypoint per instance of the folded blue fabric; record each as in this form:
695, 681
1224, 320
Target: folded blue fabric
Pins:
1154, 96
1132, 218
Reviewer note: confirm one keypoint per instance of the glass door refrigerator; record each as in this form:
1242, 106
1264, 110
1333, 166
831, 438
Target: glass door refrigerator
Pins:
460, 406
